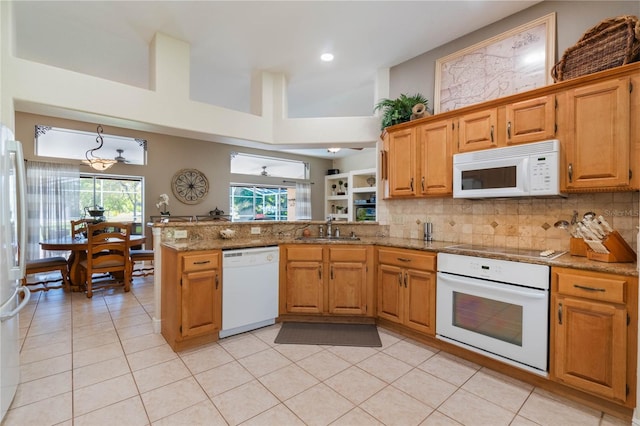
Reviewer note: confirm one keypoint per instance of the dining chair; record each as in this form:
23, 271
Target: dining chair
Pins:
47, 264
107, 253
141, 255
79, 228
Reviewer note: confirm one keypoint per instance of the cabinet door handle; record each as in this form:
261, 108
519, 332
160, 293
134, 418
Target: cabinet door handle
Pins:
331, 271
560, 313
400, 278
491, 134
570, 172
319, 272
422, 183
509, 130
202, 262
383, 165
411, 184
587, 288
217, 281
405, 280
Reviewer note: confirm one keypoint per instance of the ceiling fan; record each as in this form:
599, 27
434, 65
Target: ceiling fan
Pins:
120, 158
264, 171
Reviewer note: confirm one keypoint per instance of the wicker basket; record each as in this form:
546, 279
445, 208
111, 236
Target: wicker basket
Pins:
611, 43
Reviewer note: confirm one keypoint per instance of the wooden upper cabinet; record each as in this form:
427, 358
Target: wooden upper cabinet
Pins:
596, 138
402, 163
435, 158
478, 130
595, 118
533, 120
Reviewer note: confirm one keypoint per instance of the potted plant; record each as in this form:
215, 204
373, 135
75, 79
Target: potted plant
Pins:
395, 111
340, 190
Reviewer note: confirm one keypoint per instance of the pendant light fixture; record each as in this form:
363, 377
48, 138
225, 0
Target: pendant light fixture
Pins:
97, 163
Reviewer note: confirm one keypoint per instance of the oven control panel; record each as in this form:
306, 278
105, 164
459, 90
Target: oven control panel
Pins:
504, 271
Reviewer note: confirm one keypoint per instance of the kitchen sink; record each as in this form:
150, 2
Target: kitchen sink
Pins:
327, 239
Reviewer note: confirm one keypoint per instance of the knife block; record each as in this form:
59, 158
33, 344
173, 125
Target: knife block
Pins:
619, 250
577, 247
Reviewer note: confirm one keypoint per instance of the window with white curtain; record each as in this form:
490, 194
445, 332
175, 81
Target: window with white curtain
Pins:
52, 197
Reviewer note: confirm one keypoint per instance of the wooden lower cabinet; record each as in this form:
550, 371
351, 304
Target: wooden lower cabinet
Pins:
191, 299
303, 278
407, 288
323, 279
594, 333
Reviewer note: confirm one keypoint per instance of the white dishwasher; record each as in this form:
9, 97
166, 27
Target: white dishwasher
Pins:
249, 289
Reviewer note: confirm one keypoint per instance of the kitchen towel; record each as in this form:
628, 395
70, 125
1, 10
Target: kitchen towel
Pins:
306, 333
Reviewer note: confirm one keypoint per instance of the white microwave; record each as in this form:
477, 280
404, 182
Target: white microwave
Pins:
527, 170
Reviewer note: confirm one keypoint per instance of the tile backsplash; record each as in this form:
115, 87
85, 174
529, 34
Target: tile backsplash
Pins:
523, 223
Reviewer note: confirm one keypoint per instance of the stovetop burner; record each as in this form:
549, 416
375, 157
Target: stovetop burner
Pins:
509, 251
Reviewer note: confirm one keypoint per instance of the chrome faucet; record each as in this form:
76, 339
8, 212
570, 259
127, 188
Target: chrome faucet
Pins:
329, 226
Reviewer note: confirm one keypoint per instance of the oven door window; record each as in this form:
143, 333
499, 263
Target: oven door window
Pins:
493, 318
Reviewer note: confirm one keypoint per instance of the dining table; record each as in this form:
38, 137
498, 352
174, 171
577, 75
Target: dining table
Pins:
78, 248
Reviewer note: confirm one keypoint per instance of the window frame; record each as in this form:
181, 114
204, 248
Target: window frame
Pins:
279, 202
137, 225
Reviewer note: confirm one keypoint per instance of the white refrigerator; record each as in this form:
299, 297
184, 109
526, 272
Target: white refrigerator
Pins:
13, 297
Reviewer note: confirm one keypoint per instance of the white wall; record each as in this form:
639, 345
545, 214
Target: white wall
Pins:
573, 19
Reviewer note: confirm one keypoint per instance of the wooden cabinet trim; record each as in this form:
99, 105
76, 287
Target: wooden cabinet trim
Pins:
551, 89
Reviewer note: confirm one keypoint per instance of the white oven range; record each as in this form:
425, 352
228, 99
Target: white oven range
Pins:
499, 308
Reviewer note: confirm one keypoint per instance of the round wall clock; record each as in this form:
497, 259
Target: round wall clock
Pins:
190, 186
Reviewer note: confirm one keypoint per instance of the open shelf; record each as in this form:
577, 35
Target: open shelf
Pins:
359, 194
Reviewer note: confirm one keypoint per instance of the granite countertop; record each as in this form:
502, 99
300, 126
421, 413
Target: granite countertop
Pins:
565, 260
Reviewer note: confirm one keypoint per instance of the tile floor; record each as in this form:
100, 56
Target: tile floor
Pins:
97, 362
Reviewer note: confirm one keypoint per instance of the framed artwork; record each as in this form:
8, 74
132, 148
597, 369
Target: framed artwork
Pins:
512, 62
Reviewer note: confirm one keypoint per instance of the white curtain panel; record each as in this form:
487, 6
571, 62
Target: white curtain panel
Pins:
53, 193
303, 201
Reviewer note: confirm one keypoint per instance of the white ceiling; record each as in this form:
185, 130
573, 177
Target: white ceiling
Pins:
232, 39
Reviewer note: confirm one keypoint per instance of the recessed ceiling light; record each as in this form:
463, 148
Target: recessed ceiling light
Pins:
333, 150
326, 57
